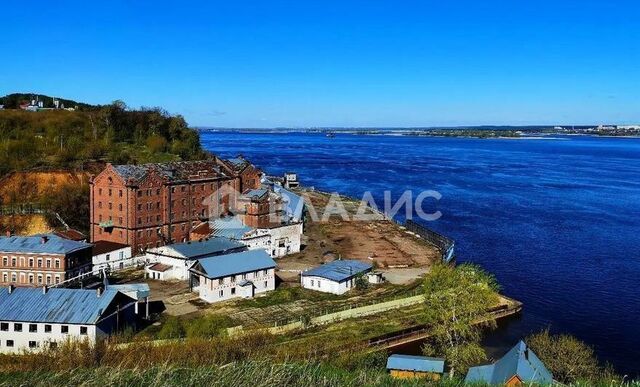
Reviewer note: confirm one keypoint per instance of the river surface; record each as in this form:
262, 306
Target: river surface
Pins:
556, 220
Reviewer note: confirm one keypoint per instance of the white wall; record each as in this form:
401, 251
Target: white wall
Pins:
324, 285
21, 339
115, 260
209, 290
285, 240
180, 267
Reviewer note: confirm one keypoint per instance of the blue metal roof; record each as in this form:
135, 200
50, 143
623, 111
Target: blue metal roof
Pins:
258, 193
520, 360
137, 291
340, 270
415, 363
294, 203
34, 244
209, 246
230, 227
70, 306
235, 263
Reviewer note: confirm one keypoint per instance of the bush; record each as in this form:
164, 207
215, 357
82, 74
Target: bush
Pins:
171, 329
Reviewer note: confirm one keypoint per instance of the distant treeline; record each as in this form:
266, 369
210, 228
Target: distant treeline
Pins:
113, 133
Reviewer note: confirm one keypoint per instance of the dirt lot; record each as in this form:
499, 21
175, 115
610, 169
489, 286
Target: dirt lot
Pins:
380, 241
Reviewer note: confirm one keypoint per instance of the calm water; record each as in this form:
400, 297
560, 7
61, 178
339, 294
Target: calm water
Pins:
557, 221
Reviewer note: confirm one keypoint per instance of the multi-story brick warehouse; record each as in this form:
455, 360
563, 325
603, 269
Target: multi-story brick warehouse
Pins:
151, 205
42, 260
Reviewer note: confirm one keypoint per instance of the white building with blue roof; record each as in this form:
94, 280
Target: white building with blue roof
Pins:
337, 277
177, 259
33, 318
244, 274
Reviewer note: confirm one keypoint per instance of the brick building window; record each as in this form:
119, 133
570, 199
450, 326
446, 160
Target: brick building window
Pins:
99, 204
120, 193
119, 207
57, 263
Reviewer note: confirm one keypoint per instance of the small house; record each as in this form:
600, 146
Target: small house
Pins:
409, 366
337, 277
242, 274
518, 366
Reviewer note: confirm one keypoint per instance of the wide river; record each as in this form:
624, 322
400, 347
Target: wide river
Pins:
556, 220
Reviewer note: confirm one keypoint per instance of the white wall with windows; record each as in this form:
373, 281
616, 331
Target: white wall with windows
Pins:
116, 260
328, 286
15, 337
221, 289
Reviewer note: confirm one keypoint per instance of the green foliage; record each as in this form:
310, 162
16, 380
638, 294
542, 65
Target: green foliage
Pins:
171, 329
68, 139
568, 359
70, 202
361, 282
456, 299
206, 326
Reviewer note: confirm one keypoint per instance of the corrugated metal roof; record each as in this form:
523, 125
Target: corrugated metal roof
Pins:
236, 263
71, 306
520, 361
415, 363
294, 204
229, 227
340, 270
34, 244
136, 291
209, 246
255, 193
173, 171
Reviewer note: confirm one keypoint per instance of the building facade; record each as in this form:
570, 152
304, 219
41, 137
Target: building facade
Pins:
34, 319
337, 277
172, 262
228, 276
42, 260
151, 205
112, 256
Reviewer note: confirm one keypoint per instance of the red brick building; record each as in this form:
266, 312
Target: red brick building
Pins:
151, 205
42, 260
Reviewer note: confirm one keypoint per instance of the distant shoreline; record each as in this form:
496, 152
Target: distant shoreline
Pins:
508, 133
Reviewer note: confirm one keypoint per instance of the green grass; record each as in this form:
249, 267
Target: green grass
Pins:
234, 374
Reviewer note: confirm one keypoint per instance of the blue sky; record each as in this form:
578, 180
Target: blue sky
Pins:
334, 63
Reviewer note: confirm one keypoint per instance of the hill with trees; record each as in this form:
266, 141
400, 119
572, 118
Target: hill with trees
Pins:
61, 139
42, 152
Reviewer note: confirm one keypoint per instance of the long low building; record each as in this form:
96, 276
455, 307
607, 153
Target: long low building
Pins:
172, 262
38, 318
243, 274
337, 277
277, 240
112, 256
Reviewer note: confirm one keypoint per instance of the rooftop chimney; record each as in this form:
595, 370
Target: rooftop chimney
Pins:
45, 289
99, 292
11, 288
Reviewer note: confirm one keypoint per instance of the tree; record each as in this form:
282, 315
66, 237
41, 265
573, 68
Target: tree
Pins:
456, 302
567, 358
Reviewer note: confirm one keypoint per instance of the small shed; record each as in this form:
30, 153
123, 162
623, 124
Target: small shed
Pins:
410, 366
375, 277
157, 271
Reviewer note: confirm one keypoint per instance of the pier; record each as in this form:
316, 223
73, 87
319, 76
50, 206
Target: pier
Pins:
507, 307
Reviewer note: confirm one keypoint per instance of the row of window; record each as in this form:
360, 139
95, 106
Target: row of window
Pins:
41, 278
233, 290
33, 328
232, 279
32, 262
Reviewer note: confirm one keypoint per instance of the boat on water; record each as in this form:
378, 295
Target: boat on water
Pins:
331, 135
